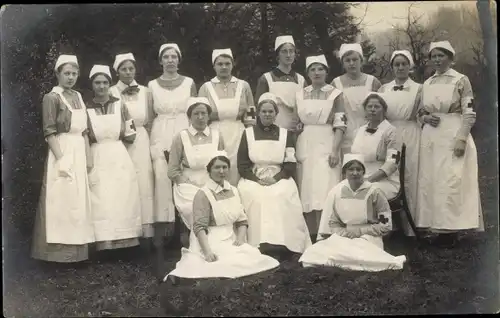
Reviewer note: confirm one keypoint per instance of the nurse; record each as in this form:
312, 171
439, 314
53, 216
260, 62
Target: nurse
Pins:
355, 85
448, 180
218, 245
403, 97
320, 107
116, 205
283, 82
192, 149
359, 217
229, 98
266, 161
137, 100
63, 223
170, 93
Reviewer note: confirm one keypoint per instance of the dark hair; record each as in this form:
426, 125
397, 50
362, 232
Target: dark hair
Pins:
214, 159
349, 164
224, 55
324, 66
119, 65
190, 109
97, 74
377, 97
406, 58
259, 105
168, 48
60, 67
445, 51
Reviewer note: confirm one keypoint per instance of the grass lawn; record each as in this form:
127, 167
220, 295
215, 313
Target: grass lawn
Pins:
460, 280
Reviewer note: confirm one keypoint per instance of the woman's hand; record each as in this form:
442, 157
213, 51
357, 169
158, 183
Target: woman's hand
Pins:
333, 159
239, 241
64, 167
247, 122
431, 120
459, 148
210, 257
267, 181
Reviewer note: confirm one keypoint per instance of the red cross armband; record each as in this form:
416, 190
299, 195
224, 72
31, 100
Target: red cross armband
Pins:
340, 120
129, 128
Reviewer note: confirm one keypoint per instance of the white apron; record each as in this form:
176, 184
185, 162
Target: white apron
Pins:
274, 212
170, 105
229, 127
314, 146
139, 152
67, 204
354, 111
365, 253
233, 261
287, 116
116, 206
446, 183
198, 157
400, 106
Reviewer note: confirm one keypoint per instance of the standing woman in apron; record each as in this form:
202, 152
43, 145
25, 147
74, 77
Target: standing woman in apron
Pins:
355, 85
448, 190
229, 98
63, 223
137, 101
283, 82
376, 142
116, 206
170, 93
192, 149
320, 107
403, 97
266, 162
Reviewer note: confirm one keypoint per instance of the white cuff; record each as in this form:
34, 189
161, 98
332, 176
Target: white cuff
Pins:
290, 155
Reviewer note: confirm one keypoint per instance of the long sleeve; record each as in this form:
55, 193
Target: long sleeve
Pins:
248, 100
290, 161
466, 96
221, 145
214, 116
150, 113
202, 210
388, 142
175, 159
339, 105
49, 114
193, 90
416, 105
244, 163
376, 85
242, 219
127, 131
91, 134
262, 87
324, 228
382, 213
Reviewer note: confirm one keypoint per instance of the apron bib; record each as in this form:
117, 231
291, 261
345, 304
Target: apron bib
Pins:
197, 157
114, 189
287, 116
446, 183
354, 111
314, 146
67, 205
229, 126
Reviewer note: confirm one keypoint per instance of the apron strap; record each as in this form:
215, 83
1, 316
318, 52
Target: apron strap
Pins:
58, 90
338, 83
369, 82
268, 78
186, 142
212, 93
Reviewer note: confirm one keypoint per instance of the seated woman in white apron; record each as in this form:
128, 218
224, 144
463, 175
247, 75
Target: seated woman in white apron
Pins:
137, 100
192, 149
116, 206
229, 98
355, 85
377, 142
320, 107
169, 95
448, 174
359, 217
283, 82
63, 223
403, 97
266, 161
218, 245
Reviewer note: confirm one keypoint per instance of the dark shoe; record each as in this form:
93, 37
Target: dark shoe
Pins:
448, 240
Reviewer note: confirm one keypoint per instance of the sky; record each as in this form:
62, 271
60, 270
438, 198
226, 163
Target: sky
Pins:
381, 15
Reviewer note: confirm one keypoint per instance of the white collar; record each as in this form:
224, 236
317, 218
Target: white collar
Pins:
217, 188
406, 84
121, 85
325, 88
193, 131
216, 80
364, 185
450, 72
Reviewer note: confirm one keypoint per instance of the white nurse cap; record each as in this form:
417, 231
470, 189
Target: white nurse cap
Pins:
348, 157
63, 59
218, 52
172, 46
282, 39
441, 45
104, 69
120, 58
219, 153
405, 53
346, 47
321, 59
268, 96
197, 100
